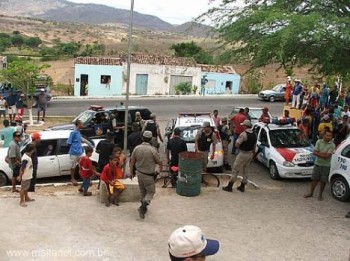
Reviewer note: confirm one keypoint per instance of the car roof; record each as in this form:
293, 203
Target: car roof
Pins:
275, 126
119, 108
55, 134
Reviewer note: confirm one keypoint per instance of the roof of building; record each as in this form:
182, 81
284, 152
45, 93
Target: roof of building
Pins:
217, 68
138, 58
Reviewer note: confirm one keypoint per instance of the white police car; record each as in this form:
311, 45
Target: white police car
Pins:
339, 175
190, 123
284, 150
53, 156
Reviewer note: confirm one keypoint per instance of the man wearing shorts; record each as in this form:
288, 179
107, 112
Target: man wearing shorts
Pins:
323, 151
11, 101
42, 103
76, 149
14, 158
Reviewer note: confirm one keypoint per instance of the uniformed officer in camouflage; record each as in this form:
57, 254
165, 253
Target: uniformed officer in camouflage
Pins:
225, 135
144, 160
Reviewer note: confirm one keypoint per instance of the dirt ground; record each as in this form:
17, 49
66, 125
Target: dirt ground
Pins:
274, 222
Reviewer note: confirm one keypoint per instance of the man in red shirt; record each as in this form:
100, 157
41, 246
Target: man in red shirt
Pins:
236, 127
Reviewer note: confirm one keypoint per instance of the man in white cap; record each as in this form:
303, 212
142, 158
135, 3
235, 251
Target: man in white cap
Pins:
188, 243
297, 90
143, 162
246, 144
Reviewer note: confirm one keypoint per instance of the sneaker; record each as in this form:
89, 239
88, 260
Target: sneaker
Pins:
141, 213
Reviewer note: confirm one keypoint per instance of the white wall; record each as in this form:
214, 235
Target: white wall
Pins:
157, 75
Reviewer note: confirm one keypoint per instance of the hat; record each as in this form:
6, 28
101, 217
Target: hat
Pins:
265, 108
35, 136
152, 116
42, 90
246, 123
137, 113
297, 80
206, 124
177, 131
189, 240
22, 95
147, 134
224, 119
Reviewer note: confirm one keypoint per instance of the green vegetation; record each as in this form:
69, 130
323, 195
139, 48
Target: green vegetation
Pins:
33, 46
291, 33
183, 88
192, 50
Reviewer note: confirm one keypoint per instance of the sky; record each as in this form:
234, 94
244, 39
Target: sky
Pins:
171, 11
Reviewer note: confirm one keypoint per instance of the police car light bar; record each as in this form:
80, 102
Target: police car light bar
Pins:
282, 121
96, 107
193, 114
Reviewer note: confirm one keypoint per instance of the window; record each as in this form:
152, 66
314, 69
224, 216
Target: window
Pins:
256, 130
63, 147
105, 79
346, 152
263, 136
47, 148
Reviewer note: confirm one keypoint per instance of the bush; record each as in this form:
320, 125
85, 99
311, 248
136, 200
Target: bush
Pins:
254, 82
183, 88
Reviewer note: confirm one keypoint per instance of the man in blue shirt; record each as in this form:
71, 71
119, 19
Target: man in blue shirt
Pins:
11, 101
6, 133
76, 149
298, 88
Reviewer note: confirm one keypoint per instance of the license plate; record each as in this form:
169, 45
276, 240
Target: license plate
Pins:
306, 172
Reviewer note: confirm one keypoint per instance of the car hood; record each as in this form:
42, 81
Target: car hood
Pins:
297, 155
266, 92
67, 126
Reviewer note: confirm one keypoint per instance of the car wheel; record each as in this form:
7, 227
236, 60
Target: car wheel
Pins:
272, 98
3, 179
274, 171
340, 188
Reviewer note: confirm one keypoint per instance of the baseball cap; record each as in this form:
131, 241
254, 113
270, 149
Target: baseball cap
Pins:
265, 108
224, 119
152, 116
326, 117
147, 134
246, 123
42, 90
35, 136
189, 241
206, 124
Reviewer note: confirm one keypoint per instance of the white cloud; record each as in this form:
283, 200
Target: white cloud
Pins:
171, 11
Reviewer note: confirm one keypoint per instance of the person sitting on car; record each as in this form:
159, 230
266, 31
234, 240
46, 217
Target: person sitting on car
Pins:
265, 117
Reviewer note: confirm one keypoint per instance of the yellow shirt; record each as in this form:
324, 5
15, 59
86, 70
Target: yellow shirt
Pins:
322, 126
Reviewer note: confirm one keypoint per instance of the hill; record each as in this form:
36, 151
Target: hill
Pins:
62, 10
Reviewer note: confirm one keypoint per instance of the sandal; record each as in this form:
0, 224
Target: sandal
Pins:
16, 190
23, 205
308, 195
30, 199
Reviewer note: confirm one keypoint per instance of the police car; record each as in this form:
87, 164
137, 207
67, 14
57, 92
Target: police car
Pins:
284, 150
339, 176
53, 156
190, 124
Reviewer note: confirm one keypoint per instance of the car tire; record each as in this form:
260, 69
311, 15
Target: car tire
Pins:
273, 171
272, 99
3, 179
340, 189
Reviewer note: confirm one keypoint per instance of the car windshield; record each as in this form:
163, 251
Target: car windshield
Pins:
288, 138
277, 88
189, 133
255, 114
85, 117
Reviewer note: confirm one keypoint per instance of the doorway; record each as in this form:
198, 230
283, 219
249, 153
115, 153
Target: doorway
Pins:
84, 80
141, 84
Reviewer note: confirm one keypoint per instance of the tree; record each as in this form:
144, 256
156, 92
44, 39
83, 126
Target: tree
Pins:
290, 33
33, 42
192, 50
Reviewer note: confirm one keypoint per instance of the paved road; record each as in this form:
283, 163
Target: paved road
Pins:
165, 108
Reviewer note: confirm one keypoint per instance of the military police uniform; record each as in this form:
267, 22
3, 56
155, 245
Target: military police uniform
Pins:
144, 159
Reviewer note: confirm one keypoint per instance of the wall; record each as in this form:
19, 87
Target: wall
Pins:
94, 72
159, 76
217, 83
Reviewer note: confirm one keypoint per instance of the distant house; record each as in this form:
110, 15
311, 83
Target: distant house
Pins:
220, 79
96, 76
3, 62
150, 75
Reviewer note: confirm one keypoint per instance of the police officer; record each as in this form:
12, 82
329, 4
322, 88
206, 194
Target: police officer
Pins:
152, 126
204, 138
144, 159
246, 143
225, 134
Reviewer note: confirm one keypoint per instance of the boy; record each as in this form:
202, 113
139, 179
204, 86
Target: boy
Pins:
86, 171
109, 175
26, 174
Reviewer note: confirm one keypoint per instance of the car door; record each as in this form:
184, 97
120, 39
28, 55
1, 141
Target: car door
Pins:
48, 165
64, 160
263, 147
